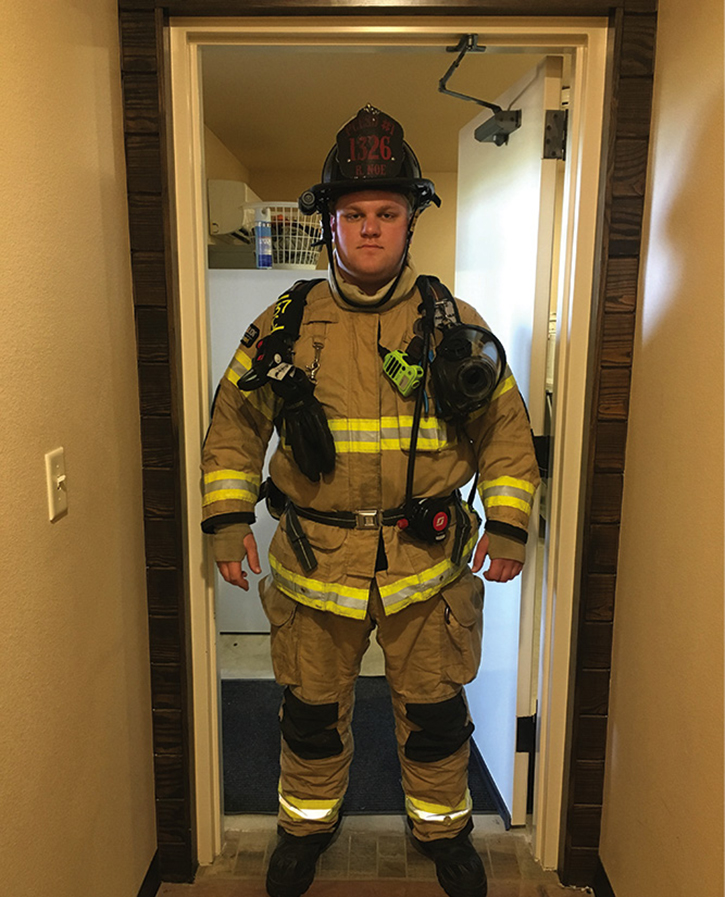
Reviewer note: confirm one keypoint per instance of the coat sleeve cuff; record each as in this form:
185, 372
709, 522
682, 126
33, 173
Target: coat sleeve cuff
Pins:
228, 542
502, 547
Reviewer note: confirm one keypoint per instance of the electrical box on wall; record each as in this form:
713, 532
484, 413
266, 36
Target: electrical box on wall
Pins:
227, 200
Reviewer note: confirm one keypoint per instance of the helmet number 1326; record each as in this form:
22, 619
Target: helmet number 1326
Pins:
369, 148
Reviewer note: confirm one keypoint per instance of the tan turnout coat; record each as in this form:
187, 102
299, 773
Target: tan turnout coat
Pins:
371, 425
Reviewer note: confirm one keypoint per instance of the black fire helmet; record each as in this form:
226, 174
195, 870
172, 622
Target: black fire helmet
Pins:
369, 154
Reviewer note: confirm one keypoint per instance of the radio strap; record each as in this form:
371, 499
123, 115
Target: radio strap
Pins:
298, 540
463, 530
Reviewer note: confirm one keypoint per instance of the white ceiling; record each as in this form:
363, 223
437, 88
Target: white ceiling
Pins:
279, 108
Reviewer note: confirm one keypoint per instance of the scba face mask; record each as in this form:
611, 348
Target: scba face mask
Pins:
468, 366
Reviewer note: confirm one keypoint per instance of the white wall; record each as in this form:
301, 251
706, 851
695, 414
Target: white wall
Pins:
663, 803
76, 777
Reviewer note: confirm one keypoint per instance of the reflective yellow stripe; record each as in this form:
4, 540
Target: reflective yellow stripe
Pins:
330, 596
505, 385
428, 812
214, 475
368, 435
507, 492
346, 448
507, 502
311, 810
263, 399
421, 586
230, 485
238, 366
355, 423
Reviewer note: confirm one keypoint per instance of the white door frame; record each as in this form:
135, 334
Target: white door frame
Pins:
586, 40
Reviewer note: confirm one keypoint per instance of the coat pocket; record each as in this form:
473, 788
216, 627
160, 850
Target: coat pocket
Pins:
462, 629
281, 611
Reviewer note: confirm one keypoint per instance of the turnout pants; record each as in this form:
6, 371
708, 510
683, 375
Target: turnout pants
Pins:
432, 648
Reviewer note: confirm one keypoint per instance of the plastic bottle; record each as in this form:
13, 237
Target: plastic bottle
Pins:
263, 235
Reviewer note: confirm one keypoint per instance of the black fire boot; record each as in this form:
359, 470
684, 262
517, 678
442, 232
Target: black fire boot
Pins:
458, 866
292, 865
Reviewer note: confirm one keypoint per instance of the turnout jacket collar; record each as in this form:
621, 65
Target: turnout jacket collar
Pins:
361, 301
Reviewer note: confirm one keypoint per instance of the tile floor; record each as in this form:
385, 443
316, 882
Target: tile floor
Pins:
371, 857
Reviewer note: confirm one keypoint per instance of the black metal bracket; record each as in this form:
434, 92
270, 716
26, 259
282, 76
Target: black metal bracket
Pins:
496, 129
555, 128
526, 734
467, 44
542, 447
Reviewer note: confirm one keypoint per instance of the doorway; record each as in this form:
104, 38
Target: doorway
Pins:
253, 158
587, 51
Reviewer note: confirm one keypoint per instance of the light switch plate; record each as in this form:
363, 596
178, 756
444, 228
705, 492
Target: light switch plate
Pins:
56, 483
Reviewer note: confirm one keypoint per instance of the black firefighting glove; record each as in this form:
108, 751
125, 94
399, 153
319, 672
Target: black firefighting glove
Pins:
305, 425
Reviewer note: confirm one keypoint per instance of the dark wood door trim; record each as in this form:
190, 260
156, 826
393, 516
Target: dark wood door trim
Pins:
141, 24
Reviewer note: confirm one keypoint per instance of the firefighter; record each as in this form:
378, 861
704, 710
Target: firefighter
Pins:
389, 396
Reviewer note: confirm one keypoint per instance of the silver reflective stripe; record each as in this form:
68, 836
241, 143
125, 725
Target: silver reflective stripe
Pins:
310, 810
429, 812
424, 585
361, 435
355, 435
330, 596
238, 366
230, 485
506, 490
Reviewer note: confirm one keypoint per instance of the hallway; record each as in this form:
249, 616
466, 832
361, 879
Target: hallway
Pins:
372, 857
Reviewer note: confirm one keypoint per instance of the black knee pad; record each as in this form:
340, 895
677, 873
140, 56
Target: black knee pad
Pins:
305, 728
444, 728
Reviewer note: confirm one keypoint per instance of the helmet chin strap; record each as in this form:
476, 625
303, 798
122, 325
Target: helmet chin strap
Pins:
327, 238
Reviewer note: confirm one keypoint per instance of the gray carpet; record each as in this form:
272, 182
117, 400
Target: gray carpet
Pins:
250, 739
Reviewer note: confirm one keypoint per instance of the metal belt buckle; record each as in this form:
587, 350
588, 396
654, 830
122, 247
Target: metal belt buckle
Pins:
368, 519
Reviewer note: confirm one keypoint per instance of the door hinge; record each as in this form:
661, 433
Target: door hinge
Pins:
526, 734
555, 125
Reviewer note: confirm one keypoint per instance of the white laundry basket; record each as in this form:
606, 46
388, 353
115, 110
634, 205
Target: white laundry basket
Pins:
294, 235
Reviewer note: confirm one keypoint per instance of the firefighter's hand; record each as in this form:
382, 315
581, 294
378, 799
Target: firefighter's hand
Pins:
500, 569
232, 570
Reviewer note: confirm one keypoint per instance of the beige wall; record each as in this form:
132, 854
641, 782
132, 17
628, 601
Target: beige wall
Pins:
76, 786
219, 162
663, 814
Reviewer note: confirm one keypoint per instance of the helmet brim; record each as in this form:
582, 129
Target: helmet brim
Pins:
420, 190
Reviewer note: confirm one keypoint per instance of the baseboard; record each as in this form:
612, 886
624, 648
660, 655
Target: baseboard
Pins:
601, 884
501, 807
152, 882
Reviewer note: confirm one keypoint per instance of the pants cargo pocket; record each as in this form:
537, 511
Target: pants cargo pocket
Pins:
281, 611
463, 628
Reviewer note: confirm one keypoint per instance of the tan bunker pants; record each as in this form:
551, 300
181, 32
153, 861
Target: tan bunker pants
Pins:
432, 648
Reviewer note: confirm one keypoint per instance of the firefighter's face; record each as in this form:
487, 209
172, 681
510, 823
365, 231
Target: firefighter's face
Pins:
370, 229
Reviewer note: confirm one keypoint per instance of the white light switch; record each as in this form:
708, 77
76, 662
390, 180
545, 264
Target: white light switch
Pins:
57, 486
